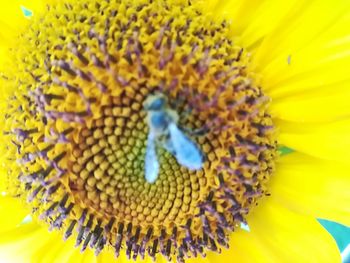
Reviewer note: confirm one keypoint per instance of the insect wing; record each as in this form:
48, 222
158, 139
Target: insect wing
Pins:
185, 151
151, 161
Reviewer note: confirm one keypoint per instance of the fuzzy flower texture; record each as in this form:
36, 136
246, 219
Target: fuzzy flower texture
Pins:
180, 130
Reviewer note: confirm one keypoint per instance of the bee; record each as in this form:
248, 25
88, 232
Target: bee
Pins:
164, 131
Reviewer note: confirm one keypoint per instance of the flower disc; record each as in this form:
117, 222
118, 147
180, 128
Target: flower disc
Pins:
76, 128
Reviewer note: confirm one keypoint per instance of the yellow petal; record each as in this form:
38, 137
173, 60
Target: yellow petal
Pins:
311, 46
299, 30
68, 252
265, 19
279, 235
12, 213
47, 249
313, 187
34, 246
72, 254
279, 32
244, 248
2, 170
17, 251
291, 237
327, 141
54, 249
327, 103
18, 233
252, 20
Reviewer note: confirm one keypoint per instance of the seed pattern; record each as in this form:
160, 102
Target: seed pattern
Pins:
75, 129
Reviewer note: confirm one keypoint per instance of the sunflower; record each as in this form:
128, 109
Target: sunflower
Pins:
258, 89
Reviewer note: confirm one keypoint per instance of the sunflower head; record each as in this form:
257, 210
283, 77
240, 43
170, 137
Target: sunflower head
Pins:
76, 127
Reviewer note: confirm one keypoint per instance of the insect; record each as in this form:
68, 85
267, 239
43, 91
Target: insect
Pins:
163, 131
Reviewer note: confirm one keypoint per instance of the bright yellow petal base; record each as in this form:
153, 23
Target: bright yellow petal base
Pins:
313, 187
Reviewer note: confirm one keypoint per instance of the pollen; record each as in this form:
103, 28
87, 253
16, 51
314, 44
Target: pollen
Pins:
75, 129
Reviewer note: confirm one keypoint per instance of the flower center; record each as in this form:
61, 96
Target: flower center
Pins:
76, 127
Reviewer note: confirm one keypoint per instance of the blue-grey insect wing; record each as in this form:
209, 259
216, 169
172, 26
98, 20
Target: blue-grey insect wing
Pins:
151, 161
186, 151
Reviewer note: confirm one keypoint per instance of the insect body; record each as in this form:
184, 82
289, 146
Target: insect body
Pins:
163, 131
